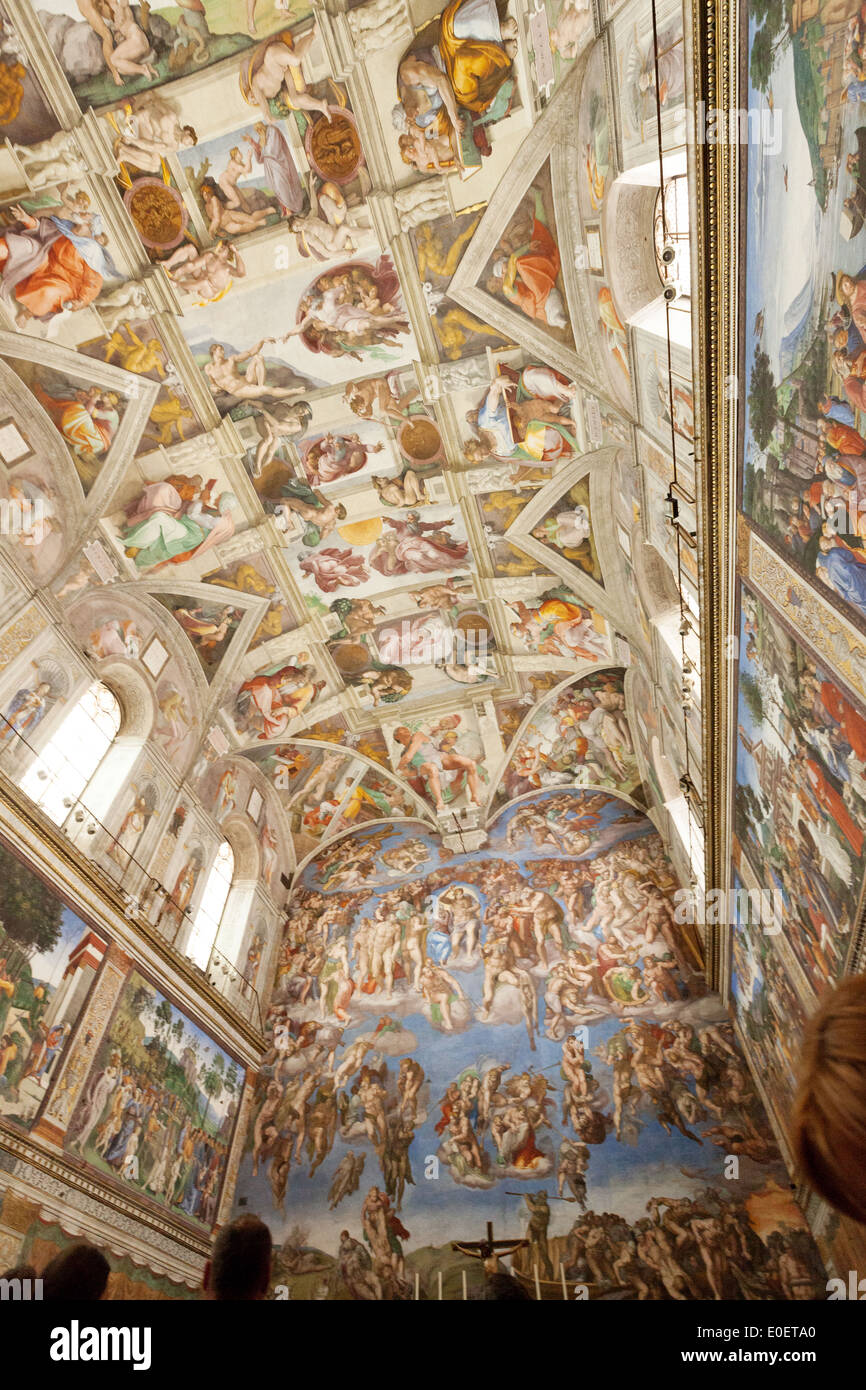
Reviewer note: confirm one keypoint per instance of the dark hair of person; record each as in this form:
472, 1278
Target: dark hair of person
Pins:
240, 1263
79, 1272
503, 1287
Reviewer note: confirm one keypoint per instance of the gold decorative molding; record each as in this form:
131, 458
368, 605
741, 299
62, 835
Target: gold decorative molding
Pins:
20, 632
227, 1196
821, 624
744, 536
712, 35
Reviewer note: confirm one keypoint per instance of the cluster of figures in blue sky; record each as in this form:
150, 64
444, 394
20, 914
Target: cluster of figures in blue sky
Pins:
524, 1031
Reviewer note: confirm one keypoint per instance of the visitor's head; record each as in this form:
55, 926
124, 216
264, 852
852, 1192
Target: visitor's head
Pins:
829, 1120
80, 1272
500, 1286
239, 1268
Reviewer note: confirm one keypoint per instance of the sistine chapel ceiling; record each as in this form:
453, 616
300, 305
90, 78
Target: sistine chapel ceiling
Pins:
344, 418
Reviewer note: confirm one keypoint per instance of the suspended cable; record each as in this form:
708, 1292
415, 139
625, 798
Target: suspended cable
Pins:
685, 612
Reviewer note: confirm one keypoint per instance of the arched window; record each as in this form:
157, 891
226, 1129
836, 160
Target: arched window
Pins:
62, 771
212, 905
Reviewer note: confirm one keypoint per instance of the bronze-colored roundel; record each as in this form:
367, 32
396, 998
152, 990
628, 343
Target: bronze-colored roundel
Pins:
350, 658
420, 439
474, 622
334, 147
158, 213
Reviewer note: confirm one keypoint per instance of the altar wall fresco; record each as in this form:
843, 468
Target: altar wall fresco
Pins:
523, 1035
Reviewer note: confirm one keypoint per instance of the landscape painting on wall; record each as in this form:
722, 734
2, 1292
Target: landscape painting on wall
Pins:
519, 1034
800, 797
159, 1107
767, 1006
804, 428
48, 961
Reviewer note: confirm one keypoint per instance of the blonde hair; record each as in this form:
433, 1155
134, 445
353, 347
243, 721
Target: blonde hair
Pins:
829, 1117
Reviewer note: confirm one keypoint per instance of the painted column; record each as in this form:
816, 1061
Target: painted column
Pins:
82, 1048
236, 1152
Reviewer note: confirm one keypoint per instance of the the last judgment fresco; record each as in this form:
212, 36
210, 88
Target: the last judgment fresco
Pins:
519, 1035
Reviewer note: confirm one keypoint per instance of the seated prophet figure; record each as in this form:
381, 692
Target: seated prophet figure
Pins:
526, 275
174, 519
524, 416
455, 86
272, 698
53, 264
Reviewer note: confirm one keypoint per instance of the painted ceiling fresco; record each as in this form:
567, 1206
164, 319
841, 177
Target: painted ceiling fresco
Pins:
341, 409
324, 399
342, 421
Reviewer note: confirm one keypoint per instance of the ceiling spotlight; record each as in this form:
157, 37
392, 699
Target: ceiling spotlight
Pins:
670, 293
668, 254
